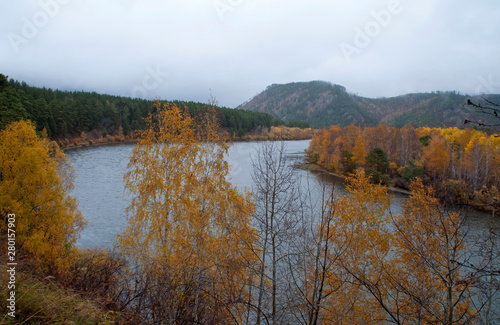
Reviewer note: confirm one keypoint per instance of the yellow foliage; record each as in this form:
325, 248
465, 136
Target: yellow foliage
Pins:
34, 179
385, 267
436, 155
360, 243
359, 150
185, 216
468, 155
428, 243
477, 139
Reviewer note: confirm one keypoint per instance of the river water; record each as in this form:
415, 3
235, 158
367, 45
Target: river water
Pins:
100, 190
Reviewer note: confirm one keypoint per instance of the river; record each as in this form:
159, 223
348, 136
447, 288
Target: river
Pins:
100, 190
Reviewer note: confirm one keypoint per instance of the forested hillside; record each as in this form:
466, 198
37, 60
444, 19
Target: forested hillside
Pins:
319, 103
66, 114
322, 104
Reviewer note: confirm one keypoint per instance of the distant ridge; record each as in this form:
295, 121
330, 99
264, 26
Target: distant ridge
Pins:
322, 104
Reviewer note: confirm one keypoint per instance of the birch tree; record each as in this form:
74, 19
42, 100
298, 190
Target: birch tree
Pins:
188, 233
276, 201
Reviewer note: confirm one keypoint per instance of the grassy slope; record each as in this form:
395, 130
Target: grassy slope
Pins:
42, 299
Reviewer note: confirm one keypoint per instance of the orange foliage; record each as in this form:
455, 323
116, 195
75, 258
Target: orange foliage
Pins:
360, 242
281, 133
34, 180
465, 155
383, 268
428, 243
186, 217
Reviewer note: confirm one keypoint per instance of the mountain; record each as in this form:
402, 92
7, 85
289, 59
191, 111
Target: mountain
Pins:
322, 104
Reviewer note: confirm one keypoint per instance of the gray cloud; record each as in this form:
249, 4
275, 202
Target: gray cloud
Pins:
236, 48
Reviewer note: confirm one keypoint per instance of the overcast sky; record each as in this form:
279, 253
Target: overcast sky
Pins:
234, 49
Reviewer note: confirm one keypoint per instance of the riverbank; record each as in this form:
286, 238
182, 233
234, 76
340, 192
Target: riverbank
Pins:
489, 208
316, 168
96, 144
94, 138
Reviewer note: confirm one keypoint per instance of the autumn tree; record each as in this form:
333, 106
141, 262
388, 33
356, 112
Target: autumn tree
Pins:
360, 243
359, 150
450, 158
409, 266
342, 239
429, 245
35, 178
410, 146
436, 159
188, 235
403, 269
276, 202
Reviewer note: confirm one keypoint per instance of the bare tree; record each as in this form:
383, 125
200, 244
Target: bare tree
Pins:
276, 203
484, 273
312, 261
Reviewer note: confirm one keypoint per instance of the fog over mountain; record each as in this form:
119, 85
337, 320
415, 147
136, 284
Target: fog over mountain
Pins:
233, 49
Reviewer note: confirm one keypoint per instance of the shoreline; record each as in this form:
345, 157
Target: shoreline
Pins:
88, 144
97, 138
314, 167
98, 144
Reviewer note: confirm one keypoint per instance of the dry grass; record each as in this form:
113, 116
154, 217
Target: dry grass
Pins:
42, 300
